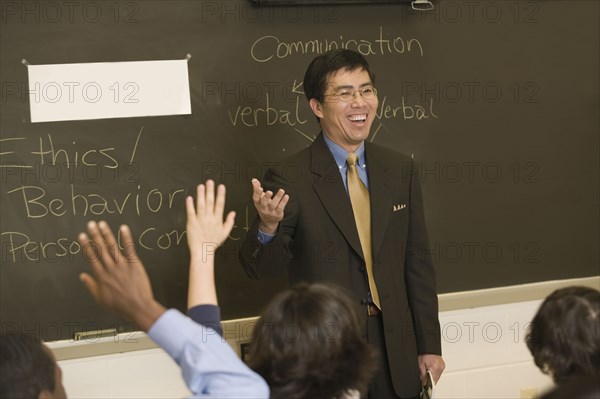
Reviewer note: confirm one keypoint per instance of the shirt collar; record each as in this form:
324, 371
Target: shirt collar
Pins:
340, 154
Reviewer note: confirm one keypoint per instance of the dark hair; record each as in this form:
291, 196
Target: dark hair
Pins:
26, 367
322, 67
586, 387
308, 344
564, 335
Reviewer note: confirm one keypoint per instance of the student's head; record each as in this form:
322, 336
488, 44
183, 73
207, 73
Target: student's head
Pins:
564, 335
587, 387
308, 344
28, 369
339, 86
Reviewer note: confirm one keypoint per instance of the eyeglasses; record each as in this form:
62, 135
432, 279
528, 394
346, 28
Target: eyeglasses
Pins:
346, 95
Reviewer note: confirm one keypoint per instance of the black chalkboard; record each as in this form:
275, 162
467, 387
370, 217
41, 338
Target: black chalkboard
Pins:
497, 102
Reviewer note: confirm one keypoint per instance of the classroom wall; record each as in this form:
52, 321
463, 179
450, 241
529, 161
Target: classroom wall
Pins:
486, 354
483, 346
147, 373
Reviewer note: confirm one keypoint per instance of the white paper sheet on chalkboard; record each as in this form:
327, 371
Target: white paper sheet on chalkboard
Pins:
62, 92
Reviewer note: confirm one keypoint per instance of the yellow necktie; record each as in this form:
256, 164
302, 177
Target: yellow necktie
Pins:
361, 206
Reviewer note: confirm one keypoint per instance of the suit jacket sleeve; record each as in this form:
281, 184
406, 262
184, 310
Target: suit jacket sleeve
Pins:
207, 315
420, 275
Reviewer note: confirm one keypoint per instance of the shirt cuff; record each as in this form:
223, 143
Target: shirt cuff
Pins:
265, 238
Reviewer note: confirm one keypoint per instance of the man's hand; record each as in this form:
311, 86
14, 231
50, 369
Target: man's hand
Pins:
433, 363
205, 228
119, 281
270, 208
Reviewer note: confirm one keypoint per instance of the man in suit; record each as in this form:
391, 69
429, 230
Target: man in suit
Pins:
311, 224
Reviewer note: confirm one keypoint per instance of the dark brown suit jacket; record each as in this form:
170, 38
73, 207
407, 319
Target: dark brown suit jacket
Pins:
317, 241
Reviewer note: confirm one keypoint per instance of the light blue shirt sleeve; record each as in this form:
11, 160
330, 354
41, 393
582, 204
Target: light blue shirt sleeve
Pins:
210, 367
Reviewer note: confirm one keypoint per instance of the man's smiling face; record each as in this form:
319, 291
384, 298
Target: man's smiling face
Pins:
347, 123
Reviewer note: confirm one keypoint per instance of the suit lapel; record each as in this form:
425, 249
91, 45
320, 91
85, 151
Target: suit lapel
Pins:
330, 190
380, 193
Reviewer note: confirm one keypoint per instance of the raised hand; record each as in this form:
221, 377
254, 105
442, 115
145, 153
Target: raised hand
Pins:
206, 230
118, 280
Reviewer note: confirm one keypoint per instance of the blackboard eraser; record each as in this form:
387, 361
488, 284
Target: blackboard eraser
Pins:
88, 335
422, 5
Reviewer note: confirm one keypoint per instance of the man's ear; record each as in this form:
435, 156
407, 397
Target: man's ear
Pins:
316, 107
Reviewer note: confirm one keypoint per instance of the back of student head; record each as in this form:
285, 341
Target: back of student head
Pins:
586, 387
28, 369
308, 344
564, 335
